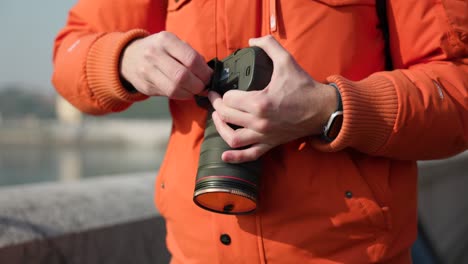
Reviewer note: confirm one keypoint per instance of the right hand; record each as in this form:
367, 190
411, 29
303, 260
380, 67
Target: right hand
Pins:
164, 65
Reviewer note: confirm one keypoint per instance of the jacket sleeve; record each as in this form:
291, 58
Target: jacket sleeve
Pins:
87, 51
420, 110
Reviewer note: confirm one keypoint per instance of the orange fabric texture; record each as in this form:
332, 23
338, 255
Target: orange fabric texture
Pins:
353, 200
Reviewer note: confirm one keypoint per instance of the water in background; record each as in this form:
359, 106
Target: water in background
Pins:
44, 151
31, 164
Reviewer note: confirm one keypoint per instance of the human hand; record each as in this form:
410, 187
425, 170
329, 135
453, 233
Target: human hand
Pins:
293, 105
162, 64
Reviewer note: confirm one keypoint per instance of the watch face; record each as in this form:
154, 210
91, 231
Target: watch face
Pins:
335, 127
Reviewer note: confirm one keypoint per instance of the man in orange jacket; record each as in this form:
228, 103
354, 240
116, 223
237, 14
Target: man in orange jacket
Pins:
351, 199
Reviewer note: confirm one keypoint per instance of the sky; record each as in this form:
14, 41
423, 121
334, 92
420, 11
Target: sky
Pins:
28, 29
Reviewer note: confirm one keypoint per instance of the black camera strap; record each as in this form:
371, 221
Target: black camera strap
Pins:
381, 8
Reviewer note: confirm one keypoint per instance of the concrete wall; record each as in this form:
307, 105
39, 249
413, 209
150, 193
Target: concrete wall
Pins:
102, 220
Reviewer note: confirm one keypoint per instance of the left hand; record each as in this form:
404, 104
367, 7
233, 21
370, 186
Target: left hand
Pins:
293, 105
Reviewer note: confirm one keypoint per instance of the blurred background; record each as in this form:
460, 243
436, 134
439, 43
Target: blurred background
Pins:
47, 149
43, 138
73, 188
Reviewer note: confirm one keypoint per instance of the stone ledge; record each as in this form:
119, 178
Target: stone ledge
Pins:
139, 242
101, 220
52, 209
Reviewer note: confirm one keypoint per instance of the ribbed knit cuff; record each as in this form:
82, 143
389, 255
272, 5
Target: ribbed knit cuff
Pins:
370, 109
102, 70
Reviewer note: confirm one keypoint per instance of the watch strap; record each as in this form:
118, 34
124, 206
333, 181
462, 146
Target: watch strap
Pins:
338, 97
333, 125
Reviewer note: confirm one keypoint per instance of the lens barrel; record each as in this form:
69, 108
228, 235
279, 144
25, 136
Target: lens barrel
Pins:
224, 187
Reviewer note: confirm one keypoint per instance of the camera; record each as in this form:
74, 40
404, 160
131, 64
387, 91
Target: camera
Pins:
224, 187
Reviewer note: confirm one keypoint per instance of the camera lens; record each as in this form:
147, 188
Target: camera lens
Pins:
224, 187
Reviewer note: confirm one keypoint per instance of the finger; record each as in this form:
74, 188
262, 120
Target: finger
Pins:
271, 46
228, 114
245, 155
157, 83
187, 56
245, 101
180, 75
235, 138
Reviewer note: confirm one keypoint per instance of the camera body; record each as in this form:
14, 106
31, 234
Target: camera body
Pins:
224, 187
246, 69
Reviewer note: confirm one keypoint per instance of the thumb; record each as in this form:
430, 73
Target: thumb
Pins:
270, 45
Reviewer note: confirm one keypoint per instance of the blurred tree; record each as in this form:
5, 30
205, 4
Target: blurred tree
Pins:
152, 108
17, 102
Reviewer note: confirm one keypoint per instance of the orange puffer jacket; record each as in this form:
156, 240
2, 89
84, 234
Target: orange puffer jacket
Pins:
349, 201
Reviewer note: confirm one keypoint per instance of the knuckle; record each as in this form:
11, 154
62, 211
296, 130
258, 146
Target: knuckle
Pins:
145, 87
171, 89
233, 141
223, 116
262, 106
163, 35
180, 75
256, 153
191, 58
148, 52
142, 71
251, 156
198, 88
171, 93
262, 126
269, 39
284, 58
163, 38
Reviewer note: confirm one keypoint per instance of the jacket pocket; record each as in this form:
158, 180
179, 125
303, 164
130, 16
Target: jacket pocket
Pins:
325, 205
360, 206
347, 2
174, 5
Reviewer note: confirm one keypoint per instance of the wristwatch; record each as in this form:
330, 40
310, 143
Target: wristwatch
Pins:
333, 126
